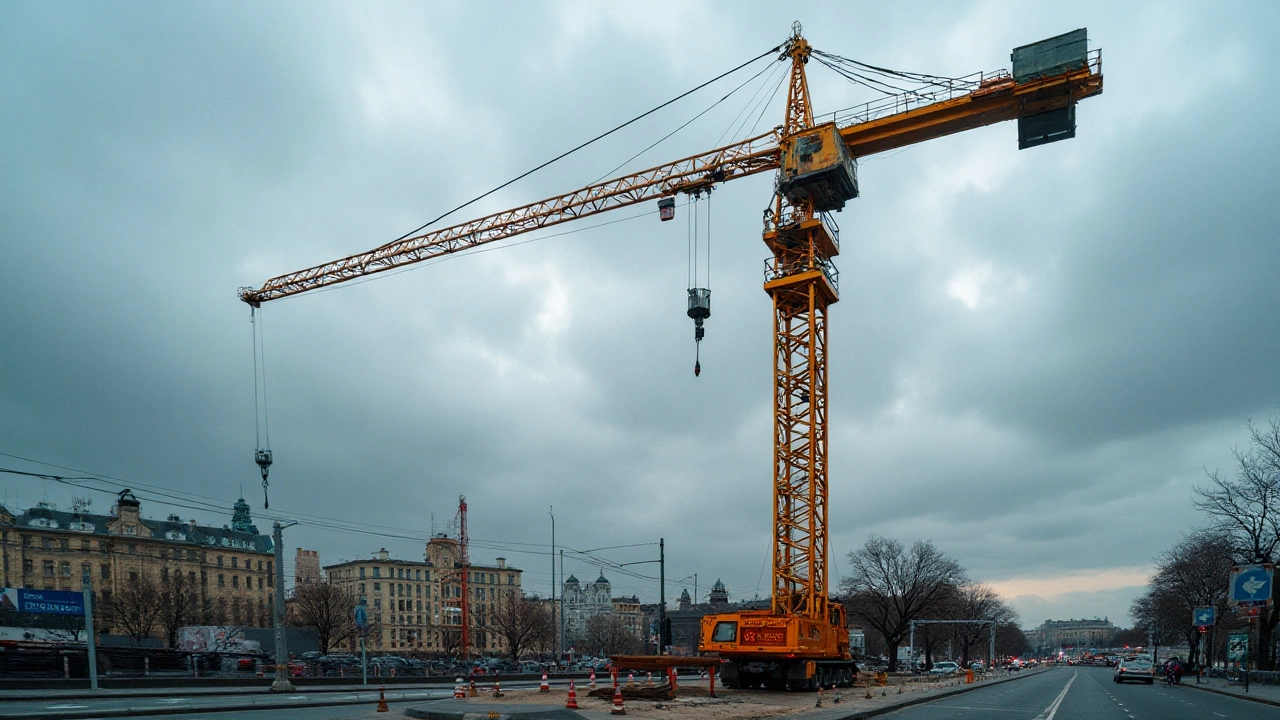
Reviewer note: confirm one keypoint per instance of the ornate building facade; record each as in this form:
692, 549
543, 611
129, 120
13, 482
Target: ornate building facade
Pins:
415, 606
230, 568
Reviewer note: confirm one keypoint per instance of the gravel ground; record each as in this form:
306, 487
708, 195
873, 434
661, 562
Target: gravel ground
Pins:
695, 703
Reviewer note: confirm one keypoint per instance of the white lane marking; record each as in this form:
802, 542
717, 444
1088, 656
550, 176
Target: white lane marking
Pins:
299, 697
1052, 710
173, 701
67, 707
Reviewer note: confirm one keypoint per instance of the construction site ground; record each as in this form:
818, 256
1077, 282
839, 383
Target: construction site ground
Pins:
694, 702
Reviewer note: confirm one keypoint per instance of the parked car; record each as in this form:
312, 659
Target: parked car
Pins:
1135, 669
946, 667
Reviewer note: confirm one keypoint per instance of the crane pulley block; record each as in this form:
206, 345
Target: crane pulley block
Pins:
818, 169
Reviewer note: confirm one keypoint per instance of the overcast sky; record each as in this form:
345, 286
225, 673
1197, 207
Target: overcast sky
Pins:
1036, 355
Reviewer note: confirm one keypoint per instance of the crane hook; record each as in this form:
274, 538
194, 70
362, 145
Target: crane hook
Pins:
263, 459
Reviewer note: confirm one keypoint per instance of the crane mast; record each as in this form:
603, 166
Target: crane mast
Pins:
803, 639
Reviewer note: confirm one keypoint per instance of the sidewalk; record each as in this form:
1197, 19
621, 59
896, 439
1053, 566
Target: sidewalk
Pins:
1266, 694
194, 690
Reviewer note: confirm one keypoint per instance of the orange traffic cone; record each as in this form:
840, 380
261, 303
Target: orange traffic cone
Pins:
544, 687
631, 679
471, 690
382, 699
648, 680
459, 692
497, 689
819, 703
617, 708
592, 686
572, 701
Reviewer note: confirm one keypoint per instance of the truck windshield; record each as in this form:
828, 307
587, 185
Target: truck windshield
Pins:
725, 632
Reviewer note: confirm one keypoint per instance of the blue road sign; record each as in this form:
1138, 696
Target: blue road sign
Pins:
1203, 616
1251, 584
43, 602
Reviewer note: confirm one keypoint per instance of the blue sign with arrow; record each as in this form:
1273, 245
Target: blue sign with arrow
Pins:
1203, 616
1251, 584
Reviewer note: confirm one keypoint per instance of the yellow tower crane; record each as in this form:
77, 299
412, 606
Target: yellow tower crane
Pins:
802, 641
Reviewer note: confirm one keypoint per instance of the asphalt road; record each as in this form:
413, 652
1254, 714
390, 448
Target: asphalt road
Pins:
242, 705
1086, 693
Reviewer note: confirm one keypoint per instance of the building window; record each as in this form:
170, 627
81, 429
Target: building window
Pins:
377, 602
221, 581
361, 588
26, 540
511, 579
269, 571
133, 577
64, 569
130, 530
85, 571
103, 547
46, 543
28, 567
104, 572
219, 561
133, 549
84, 545
235, 581
377, 572
48, 567
361, 573
377, 587
260, 583
235, 562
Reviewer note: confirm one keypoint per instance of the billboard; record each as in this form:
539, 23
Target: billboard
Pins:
42, 602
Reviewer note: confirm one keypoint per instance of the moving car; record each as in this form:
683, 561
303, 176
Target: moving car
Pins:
1135, 669
946, 667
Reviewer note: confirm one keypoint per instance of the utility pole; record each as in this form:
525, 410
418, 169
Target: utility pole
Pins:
90, 641
551, 512
663, 640
281, 683
562, 637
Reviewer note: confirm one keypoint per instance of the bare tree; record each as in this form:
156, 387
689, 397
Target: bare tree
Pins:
524, 622
607, 634
976, 601
327, 608
1246, 509
135, 608
889, 586
1158, 613
1194, 573
180, 605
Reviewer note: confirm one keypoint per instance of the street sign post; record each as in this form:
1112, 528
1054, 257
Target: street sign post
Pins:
362, 625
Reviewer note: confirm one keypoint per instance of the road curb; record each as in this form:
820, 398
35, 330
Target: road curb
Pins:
1242, 696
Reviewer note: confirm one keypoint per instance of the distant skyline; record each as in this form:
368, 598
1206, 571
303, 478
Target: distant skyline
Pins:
1036, 356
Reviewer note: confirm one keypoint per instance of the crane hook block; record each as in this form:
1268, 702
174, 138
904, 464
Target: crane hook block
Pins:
699, 304
263, 459
667, 209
